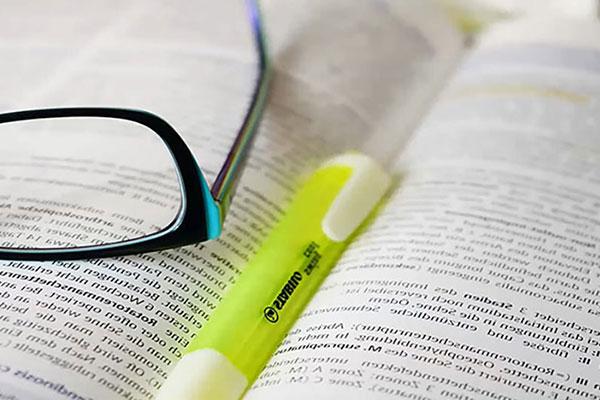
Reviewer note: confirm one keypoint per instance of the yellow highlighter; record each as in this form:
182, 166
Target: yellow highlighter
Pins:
259, 309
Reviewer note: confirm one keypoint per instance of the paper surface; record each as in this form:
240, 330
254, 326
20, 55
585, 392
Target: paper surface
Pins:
479, 279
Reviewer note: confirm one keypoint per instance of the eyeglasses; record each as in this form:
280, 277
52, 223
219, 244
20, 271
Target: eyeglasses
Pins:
69, 195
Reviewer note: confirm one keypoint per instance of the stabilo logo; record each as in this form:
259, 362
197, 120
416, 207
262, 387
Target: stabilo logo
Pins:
271, 312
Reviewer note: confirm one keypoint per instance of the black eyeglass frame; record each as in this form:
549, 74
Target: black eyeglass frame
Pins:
203, 210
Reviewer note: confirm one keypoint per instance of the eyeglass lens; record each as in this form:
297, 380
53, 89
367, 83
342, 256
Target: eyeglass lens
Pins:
72, 182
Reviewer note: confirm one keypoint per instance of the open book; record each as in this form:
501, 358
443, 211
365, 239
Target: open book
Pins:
478, 279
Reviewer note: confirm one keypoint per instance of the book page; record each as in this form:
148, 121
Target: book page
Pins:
114, 328
480, 277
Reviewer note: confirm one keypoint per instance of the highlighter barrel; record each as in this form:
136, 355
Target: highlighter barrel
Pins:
259, 309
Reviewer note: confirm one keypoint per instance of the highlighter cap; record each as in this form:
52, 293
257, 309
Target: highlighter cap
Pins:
361, 193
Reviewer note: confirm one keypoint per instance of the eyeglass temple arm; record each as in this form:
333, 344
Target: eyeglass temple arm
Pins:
227, 178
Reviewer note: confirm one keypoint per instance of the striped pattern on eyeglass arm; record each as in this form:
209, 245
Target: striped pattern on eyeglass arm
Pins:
228, 177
